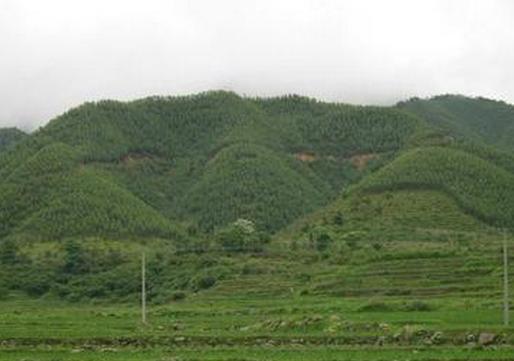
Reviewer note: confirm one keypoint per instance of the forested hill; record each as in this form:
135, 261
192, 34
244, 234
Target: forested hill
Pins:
10, 136
478, 119
172, 167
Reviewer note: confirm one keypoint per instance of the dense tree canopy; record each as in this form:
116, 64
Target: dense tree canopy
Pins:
145, 167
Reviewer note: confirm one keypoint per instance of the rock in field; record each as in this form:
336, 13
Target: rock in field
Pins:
486, 338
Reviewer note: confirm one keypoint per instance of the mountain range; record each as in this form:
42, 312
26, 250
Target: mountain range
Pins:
168, 166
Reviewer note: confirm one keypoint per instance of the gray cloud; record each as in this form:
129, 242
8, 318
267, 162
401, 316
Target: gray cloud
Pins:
56, 54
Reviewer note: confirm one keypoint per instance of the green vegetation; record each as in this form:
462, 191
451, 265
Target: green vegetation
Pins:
9, 137
425, 300
49, 197
282, 228
248, 181
480, 188
205, 160
478, 119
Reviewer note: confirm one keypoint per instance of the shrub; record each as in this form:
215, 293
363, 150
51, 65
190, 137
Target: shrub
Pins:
36, 287
75, 261
321, 237
204, 282
8, 252
418, 306
4, 292
338, 219
178, 296
353, 238
375, 306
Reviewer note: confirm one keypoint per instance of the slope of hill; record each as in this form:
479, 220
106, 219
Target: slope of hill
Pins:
206, 160
478, 119
175, 175
423, 193
479, 187
9, 137
457, 176
49, 197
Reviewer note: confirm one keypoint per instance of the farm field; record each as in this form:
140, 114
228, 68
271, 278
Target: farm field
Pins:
315, 328
411, 307
323, 353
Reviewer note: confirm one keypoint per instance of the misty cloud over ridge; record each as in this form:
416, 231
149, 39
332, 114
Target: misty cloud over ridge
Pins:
57, 54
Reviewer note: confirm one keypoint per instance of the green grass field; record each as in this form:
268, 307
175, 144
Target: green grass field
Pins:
287, 328
406, 302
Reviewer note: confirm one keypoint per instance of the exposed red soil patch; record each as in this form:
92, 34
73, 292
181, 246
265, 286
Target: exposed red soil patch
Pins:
305, 157
360, 161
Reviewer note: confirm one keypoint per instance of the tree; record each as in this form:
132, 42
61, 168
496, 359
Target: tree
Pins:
8, 252
75, 262
338, 218
242, 236
322, 238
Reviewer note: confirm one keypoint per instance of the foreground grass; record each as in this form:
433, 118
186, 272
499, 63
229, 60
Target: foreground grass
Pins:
286, 328
422, 301
238, 318
261, 353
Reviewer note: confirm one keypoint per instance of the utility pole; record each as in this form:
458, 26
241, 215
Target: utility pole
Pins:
143, 289
505, 281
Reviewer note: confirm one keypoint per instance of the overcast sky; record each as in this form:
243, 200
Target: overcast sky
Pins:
55, 54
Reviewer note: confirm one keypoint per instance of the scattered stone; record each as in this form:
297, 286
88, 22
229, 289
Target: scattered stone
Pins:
397, 336
408, 332
383, 326
471, 338
108, 349
335, 318
437, 337
471, 345
380, 341
486, 338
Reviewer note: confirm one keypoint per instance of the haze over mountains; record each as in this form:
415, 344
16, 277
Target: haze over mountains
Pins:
159, 166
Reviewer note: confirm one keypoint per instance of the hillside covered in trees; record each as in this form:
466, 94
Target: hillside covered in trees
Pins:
477, 119
9, 137
199, 162
167, 167
223, 173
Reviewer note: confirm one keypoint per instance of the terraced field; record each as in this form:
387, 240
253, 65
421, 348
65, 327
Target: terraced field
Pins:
418, 277
406, 302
